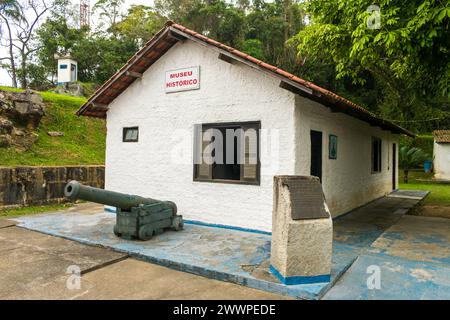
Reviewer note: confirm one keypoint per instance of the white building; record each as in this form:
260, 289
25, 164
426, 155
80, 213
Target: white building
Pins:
67, 70
181, 79
441, 154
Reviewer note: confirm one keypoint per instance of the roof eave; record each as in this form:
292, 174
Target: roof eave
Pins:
178, 33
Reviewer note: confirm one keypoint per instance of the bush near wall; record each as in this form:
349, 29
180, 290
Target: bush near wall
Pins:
424, 142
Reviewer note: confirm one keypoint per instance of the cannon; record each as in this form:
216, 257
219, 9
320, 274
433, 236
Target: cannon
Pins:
136, 217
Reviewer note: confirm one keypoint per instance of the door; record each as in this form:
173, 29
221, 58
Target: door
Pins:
394, 166
73, 72
316, 154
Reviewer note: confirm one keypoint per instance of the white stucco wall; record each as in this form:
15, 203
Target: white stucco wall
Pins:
347, 181
65, 75
228, 92
441, 161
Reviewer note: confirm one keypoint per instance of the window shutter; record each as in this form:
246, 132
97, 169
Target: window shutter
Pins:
250, 167
203, 170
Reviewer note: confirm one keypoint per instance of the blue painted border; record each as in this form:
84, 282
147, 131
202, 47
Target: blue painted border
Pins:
299, 279
222, 226
214, 225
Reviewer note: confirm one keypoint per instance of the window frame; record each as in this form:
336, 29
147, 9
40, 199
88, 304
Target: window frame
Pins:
329, 146
124, 132
379, 168
253, 124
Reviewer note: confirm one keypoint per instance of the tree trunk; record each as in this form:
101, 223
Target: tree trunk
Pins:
11, 55
24, 73
405, 176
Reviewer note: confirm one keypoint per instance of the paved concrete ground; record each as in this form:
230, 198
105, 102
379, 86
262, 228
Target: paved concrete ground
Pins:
231, 255
412, 253
35, 266
413, 259
222, 254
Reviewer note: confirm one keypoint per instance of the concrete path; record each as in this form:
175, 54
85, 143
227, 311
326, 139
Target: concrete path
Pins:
236, 256
411, 258
35, 266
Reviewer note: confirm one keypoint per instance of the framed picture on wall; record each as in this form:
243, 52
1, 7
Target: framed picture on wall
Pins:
332, 147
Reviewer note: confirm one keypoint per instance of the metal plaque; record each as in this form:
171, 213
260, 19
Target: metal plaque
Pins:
307, 199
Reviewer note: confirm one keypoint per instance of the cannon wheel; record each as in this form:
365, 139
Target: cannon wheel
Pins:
145, 232
116, 231
177, 223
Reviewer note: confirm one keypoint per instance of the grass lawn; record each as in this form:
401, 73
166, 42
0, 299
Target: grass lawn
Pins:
83, 141
439, 193
9, 213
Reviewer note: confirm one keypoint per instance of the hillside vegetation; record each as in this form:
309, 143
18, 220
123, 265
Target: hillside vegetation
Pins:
83, 141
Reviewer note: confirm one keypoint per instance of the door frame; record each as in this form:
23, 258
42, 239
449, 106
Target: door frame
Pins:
394, 166
321, 152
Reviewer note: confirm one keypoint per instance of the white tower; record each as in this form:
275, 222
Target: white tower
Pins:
67, 70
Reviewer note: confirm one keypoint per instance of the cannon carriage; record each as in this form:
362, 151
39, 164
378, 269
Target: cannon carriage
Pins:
136, 217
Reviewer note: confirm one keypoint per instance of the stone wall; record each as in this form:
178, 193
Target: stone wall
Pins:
31, 185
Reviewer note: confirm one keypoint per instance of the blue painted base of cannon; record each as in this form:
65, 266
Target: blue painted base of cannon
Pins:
145, 221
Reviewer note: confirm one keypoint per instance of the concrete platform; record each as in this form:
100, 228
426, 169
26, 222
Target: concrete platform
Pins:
409, 194
223, 254
230, 255
401, 279
5, 223
416, 238
355, 232
414, 260
34, 266
31, 260
141, 280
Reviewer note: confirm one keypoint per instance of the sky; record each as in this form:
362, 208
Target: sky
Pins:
4, 77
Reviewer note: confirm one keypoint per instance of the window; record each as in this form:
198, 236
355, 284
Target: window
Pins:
130, 134
227, 152
63, 66
376, 155
332, 146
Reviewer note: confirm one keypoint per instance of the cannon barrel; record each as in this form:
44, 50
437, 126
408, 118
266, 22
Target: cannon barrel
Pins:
75, 190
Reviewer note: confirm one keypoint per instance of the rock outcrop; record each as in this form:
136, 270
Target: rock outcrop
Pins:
20, 115
70, 88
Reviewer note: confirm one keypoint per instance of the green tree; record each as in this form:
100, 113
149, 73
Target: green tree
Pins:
273, 23
109, 12
407, 54
98, 54
410, 158
55, 36
217, 19
140, 24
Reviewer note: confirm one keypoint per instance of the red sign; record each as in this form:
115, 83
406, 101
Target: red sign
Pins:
183, 79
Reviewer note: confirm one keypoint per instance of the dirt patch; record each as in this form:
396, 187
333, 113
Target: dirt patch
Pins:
432, 211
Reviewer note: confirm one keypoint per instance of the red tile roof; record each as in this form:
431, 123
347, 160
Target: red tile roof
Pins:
97, 104
442, 136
